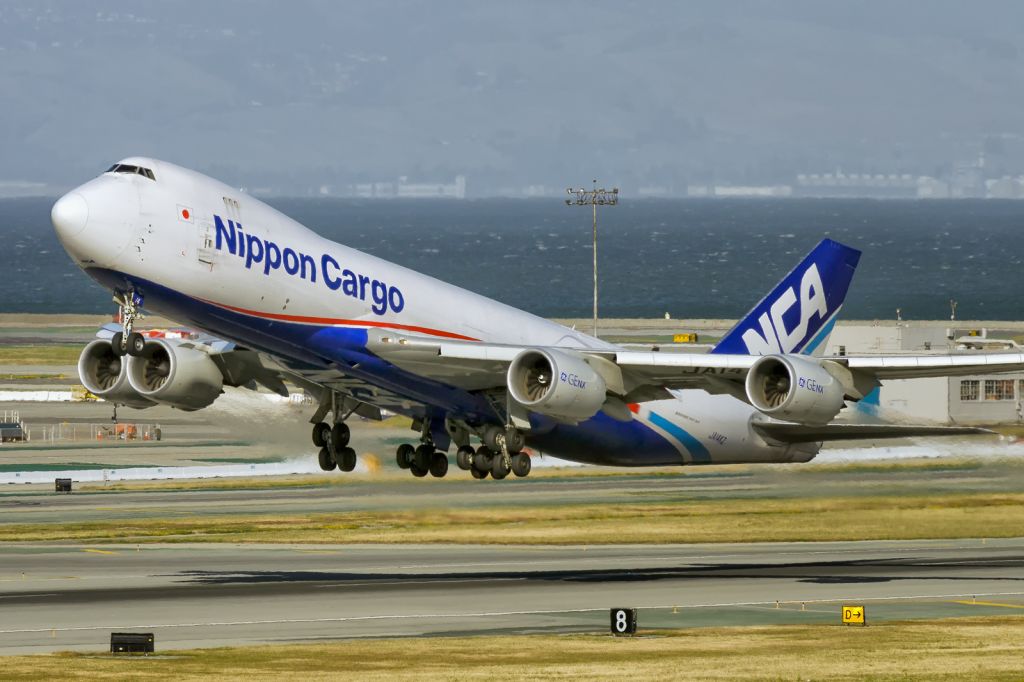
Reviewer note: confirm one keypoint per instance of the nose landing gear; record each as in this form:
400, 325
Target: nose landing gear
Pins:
127, 342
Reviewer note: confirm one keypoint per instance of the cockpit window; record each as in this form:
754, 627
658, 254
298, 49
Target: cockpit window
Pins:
132, 170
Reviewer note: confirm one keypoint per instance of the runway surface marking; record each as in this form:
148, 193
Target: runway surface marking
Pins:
445, 581
989, 603
479, 614
98, 551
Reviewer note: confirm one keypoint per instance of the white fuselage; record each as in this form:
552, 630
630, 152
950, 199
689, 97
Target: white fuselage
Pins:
212, 255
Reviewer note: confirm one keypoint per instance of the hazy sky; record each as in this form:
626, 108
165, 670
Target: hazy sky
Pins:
298, 94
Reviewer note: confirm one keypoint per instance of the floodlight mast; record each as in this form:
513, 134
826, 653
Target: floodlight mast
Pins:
593, 197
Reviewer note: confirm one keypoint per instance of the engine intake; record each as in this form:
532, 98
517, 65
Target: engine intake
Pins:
105, 375
556, 383
175, 375
795, 389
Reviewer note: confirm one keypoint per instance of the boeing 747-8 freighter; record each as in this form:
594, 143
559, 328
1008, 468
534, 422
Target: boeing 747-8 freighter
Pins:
281, 304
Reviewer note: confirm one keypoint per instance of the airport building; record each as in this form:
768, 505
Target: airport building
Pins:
981, 399
403, 189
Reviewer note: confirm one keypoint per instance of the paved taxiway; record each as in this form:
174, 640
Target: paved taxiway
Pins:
94, 502
72, 597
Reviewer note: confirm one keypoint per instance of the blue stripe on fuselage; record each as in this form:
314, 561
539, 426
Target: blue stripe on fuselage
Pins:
599, 440
697, 451
603, 440
316, 346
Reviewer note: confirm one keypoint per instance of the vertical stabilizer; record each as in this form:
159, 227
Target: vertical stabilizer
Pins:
799, 313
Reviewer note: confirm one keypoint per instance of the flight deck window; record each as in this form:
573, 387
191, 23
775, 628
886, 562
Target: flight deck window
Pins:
131, 170
969, 389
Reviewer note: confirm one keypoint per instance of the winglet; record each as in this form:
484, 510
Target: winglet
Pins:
799, 313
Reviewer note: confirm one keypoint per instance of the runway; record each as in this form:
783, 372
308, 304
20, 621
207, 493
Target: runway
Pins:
194, 595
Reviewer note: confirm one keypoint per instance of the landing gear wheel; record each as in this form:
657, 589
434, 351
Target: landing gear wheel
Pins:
483, 460
464, 456
347, 459
521, 465
424, 455
327, 462
439, 465
403, 456
321, 434
136, 344
340, 436
477, 474
498, 468
115, 345
417, 472
514, 440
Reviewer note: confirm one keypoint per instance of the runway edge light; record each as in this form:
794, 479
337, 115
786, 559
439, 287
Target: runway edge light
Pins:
854, 615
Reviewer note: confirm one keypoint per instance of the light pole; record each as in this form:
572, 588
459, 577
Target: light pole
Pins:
593, 197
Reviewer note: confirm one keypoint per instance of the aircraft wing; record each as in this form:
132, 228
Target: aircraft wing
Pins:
483, 365
918, 366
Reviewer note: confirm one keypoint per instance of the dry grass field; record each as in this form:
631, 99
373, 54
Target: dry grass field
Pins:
893, 517
952, 649
40, 355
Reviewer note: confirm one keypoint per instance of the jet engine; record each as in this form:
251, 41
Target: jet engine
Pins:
795, 389
175, 374
556, 383
105, 375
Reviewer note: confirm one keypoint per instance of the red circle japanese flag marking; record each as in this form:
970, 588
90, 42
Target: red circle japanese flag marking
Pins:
185, 213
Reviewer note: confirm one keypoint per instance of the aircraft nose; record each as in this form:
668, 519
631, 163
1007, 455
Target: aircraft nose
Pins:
70, 214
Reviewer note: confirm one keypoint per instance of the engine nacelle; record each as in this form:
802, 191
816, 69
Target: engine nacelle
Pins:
795, 389
105, 375
556, 383
175, 375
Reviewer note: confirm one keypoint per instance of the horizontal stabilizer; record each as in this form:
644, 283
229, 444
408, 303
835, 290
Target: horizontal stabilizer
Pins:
798, 433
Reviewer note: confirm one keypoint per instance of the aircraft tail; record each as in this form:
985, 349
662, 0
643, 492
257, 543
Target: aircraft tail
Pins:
799, 313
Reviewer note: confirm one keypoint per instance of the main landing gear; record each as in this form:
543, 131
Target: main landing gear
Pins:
500, 455
333, 444
422, 460
126, 341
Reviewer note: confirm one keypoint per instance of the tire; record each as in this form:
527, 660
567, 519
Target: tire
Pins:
483, 460
521, 465
439, 465
321, 432
477, 474
340, 436
417, 472
347, 459
498, 469
403, 455
462, 457
327, 462
136, 344
424, 455
514, 440
115, 344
